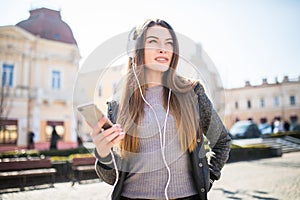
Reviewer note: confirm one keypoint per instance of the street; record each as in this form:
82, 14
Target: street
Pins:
270, 179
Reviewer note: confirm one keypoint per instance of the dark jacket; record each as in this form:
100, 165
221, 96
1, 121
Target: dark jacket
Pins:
206, 168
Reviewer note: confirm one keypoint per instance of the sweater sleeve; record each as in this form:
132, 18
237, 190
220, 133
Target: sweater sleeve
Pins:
215, 132
104, 169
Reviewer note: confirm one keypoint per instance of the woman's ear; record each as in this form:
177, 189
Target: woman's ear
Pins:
131, 48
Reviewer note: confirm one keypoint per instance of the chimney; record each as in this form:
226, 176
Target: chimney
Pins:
285, 79
265, 81
247, 83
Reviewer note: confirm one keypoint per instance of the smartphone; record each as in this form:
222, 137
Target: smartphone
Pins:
92, 114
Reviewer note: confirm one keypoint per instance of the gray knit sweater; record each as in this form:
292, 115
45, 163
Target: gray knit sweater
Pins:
202, 171
148, 174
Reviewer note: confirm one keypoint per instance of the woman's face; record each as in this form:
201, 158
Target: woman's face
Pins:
158, 49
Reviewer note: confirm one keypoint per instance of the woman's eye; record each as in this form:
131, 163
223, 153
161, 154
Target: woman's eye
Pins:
152, 41
170, 43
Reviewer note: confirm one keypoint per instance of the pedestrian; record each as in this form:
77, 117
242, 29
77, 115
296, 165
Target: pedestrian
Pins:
156, 148
79, 141
286, 126
30, 140
54, 138
295, 126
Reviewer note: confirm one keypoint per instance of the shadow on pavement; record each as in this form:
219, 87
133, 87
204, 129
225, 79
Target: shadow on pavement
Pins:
243, 194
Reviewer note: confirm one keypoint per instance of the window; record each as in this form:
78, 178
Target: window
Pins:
276, 101
262, 103
236, 104
55, 79
249, 104
9, 131
56, 36
7, 75
59, 127
292, 100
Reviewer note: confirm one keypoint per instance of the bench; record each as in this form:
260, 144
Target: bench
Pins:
26, 172
84, 169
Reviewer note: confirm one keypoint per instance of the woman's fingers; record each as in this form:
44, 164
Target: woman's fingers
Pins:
108, 135
114, 128
97, 129
105, 140
104, 144
118, 138
111, 138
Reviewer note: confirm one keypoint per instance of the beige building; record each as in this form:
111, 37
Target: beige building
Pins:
268, 100
39, 60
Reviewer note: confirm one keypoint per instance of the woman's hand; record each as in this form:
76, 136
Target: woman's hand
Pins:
105, 140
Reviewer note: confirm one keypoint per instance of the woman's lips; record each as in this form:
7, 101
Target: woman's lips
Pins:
161, 59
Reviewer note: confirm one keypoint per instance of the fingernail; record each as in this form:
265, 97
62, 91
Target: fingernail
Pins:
116, 125
122, 133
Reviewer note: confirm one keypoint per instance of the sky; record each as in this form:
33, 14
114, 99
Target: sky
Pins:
247, 40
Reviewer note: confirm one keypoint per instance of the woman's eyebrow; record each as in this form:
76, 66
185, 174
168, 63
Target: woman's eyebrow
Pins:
154, 37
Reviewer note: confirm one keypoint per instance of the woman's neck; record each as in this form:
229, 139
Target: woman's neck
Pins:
153, 78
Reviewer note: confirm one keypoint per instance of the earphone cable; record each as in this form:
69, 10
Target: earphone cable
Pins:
117, 172
162, 135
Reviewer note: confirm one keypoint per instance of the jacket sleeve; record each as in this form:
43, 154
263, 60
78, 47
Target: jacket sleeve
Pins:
104, 169
105, 166
215, 132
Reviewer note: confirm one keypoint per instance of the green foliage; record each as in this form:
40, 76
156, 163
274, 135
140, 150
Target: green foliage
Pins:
47, 153
20, 154
59, 158
64, 152
283, 134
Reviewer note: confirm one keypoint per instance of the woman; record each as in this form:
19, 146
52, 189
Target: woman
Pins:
158, 145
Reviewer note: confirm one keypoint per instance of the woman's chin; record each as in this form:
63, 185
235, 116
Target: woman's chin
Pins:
159, 68
163, 68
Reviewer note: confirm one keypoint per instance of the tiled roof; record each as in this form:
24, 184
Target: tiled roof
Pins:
47, 24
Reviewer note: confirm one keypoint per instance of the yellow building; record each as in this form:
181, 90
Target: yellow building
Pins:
268, 100
39, 60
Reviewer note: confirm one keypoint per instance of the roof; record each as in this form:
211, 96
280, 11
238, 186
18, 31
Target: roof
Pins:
47, 24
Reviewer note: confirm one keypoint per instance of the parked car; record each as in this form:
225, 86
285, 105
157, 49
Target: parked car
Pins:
244, 129
265, 128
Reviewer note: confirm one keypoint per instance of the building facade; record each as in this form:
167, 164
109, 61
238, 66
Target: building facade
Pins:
39, 60
267, 101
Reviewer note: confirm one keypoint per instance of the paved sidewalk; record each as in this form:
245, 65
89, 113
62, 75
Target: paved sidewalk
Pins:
269, 179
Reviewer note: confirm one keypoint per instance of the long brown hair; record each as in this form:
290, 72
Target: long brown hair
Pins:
183, 101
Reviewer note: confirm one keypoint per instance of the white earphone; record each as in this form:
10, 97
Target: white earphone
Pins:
131, 49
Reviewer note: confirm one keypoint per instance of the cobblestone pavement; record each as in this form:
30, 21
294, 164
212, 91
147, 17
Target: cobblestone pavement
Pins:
269, 179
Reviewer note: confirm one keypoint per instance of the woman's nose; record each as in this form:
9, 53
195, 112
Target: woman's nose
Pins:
162, 48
